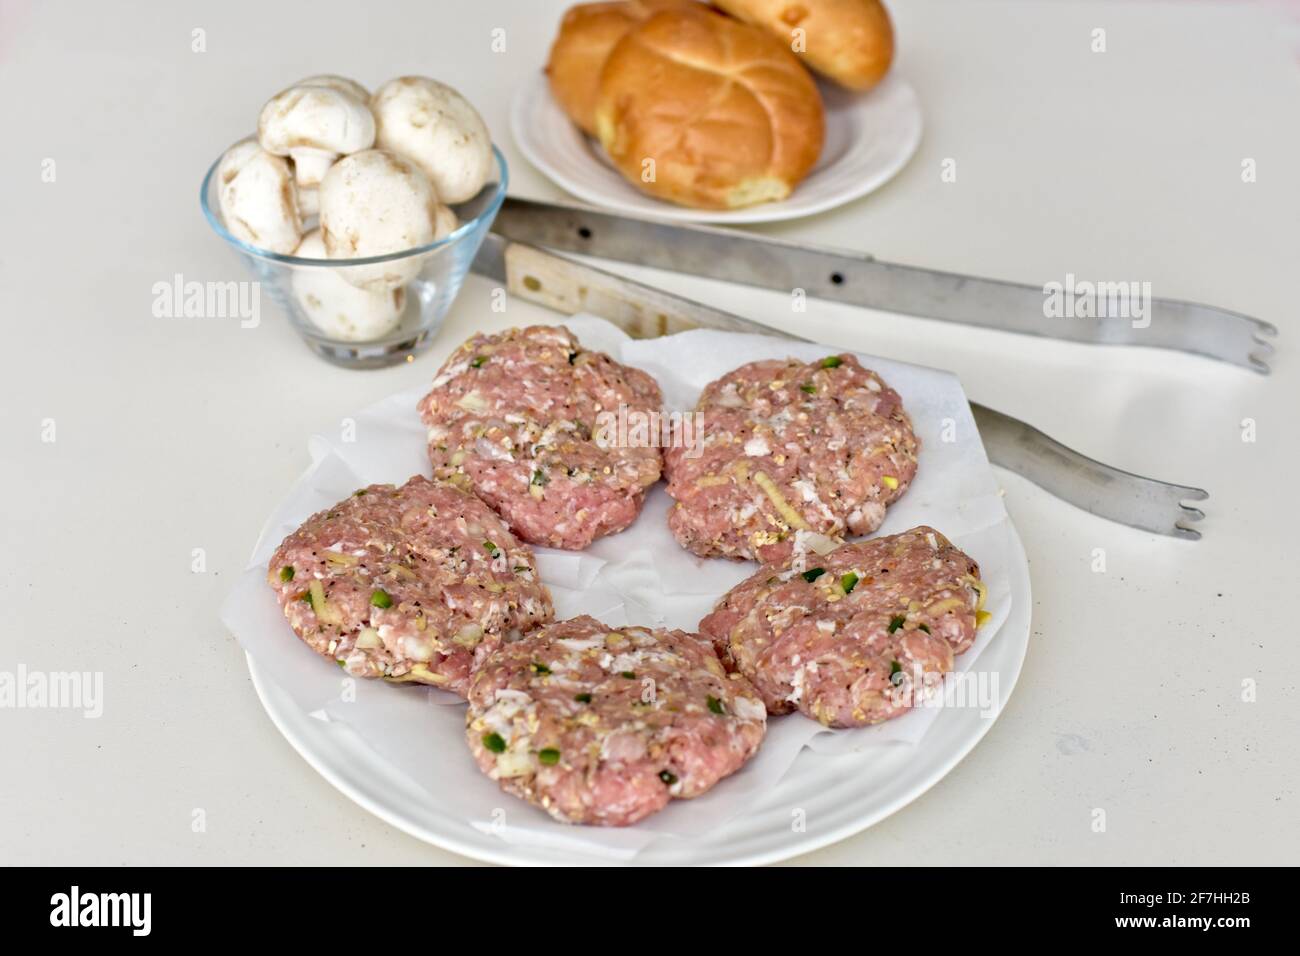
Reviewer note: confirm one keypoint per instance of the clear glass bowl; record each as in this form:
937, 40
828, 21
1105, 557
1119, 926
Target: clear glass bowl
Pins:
438, 269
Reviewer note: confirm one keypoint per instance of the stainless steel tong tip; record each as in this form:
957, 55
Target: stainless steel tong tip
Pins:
1179, 496
1262, 333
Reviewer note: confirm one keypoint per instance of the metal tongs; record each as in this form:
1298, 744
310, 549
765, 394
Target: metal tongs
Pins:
511, 255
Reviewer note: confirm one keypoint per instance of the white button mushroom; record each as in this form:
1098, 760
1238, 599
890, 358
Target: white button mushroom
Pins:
338, 308
256, 198
341, 83
373, 203
314, 125
437, 129
308, 201
444, 222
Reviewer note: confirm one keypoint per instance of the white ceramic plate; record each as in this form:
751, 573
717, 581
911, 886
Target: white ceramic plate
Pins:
869, 138
838, 795
385, 749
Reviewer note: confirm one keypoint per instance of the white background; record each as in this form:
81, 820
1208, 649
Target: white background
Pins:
175, 434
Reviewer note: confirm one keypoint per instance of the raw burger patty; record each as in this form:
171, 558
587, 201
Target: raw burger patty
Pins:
602, 725
516, 418
415, 583
821, 447
842, 636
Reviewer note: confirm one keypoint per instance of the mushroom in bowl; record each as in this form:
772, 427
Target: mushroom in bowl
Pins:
356, 244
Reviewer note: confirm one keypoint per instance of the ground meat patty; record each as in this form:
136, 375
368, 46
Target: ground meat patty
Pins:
517, 418
415, 583
604, 726
844, 636
820, 447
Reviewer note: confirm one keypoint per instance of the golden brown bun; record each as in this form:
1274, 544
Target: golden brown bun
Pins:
726, 113
587, 33
851, 41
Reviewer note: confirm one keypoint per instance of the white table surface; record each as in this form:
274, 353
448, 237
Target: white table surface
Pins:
176, 434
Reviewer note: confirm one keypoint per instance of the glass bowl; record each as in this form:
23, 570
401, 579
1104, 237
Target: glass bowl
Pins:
437, 271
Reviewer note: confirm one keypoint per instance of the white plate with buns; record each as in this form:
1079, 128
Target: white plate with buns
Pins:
869, 138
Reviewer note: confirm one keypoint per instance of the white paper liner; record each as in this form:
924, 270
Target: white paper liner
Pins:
640, 576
